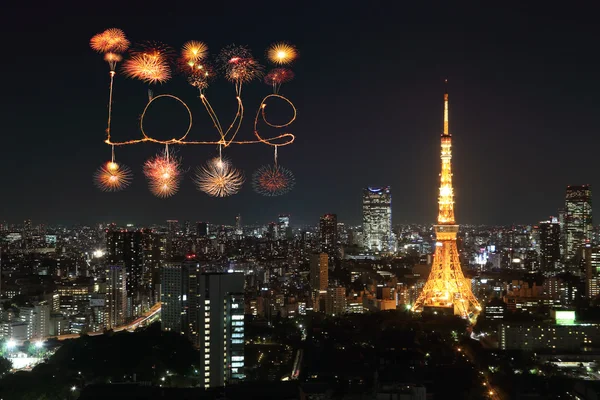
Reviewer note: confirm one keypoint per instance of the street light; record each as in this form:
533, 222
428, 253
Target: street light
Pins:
39, 344
74, 388
11, 344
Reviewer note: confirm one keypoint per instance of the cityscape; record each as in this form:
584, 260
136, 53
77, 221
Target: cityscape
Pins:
320, 287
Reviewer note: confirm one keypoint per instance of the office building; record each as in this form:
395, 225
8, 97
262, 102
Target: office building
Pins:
125, 248
328, 234
239, 230
174, 297
284, 230
336, 301
377, 218
578, 219
172, 232
564, 333
116, 296
549, 245
221, 308
592, 271
202, 229
319, 271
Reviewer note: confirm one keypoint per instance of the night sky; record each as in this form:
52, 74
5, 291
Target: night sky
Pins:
524, 95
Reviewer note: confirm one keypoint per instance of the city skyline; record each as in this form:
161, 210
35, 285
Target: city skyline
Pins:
503, 108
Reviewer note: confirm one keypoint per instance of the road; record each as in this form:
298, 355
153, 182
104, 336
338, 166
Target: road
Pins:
131, 326
492, 392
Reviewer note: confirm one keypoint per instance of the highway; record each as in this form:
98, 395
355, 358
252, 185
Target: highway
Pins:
148, 316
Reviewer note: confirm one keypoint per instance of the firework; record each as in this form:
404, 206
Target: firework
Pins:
272, 180
282, 53
278, 76
112, 59
194, 51
110, 41
218, 178
164, 174
200, 76
148, 67
239, 65
112, 177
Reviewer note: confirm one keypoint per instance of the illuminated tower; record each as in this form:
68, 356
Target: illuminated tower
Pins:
446, 288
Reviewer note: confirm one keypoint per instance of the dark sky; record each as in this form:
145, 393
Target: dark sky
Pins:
524, 110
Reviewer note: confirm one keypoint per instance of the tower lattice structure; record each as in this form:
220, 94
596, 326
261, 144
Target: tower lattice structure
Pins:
446, 286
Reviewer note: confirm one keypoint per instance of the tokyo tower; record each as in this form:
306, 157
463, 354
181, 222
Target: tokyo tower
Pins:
446, 288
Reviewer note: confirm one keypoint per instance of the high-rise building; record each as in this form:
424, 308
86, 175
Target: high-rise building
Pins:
377, 218
126, 248
284, 230
202, 229
155, 255
578, 219
116, 296
319, 271
180, 298
549, 232
592, 271
222, 331
174, 296
328, 235
238, 225
446, 289
172, 230
336, 301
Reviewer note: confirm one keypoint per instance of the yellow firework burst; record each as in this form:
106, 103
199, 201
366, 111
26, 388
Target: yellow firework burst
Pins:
282, 53
218, 178
194, 51
112, 177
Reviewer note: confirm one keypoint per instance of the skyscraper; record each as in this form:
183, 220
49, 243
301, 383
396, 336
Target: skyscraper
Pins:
116, 296
172, 230
446, 288
175, 292
202, 229
284, 230
222, 333
549, 246
319, 271
125, 248
377, 218
328, 235
578, 219
238, 225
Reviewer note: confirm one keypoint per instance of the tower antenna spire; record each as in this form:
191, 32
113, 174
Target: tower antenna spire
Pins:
446, 128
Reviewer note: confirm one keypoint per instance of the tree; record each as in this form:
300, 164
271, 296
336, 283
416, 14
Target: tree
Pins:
5, 365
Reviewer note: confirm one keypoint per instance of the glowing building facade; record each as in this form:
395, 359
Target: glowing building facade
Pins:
377, 218
447, 289
578, 219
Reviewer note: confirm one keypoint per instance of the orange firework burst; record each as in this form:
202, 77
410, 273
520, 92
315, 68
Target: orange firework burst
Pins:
277, 76
148, 67
218, 178
112, 59
282, 53
194, 51
164, 174
112, 177
112, 40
